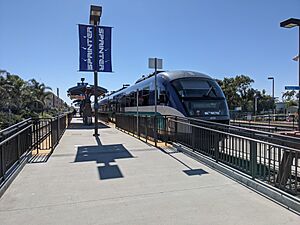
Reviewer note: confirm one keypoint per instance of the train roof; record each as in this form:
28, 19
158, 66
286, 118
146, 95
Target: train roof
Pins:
174, 75
168, 75
177, 74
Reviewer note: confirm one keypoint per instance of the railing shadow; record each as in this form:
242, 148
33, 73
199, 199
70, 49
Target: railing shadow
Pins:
39, 158
190, 171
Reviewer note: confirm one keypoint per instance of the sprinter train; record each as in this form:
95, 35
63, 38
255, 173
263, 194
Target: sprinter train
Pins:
179, 93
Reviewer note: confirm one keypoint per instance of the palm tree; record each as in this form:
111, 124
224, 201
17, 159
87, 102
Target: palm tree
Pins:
39, 92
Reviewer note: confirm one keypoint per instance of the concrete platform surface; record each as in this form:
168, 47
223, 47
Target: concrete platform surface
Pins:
117, 179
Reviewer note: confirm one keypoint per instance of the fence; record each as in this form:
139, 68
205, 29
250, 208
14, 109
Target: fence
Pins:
263, 126
266, 156
32, 134
270, 123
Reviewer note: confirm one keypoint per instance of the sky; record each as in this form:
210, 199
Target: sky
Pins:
222, 38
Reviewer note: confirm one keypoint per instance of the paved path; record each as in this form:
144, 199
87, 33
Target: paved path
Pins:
118, 179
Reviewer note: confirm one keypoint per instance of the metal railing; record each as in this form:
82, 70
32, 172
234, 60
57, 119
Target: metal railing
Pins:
32, 134
265, 126
269, 157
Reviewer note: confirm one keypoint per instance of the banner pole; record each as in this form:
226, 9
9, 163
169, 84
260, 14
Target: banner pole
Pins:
96, 80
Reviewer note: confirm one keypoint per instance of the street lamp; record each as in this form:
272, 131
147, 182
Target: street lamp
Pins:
292, 22
95, 14
273, 99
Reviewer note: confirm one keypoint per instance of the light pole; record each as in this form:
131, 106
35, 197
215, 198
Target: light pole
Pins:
95, 14
292, 22
155, 63
273, 99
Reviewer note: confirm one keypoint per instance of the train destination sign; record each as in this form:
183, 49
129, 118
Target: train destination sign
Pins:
89, 51
292, 87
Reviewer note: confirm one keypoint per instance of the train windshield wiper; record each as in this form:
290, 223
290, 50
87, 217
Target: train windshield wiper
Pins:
209, 91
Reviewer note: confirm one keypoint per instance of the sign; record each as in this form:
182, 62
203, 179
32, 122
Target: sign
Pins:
77, 97
94, 48
292, 87
82, 84
151, 63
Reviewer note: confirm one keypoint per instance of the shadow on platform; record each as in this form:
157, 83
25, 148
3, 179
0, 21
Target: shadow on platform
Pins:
193, 172
39, 158
104, 154
190, 171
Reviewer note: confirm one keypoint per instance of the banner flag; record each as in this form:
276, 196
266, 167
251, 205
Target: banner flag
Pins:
104, 49
94, 58
86, 48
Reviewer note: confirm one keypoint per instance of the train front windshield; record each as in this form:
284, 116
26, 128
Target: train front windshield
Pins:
201, 97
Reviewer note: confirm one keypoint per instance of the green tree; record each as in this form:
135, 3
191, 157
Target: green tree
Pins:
17, 97
239, 93
39, 91
290, 98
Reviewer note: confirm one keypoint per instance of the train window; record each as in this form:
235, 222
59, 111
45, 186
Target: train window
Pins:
145, 96
127, 101
132, 99
141, 100
163, 100
123, 102
162, 95
195, 87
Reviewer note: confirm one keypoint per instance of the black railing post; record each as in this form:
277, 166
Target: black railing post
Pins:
253, 158
38, 135
3, 162
29, 136
146, 128
175, 134
193, 137
155, 130
58, 130
51, 135
217, 138
18, 147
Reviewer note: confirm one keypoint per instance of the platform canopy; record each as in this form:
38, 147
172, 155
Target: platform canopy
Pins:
78, 92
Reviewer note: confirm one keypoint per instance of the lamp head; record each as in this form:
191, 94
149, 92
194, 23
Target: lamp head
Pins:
292, 22
95, 14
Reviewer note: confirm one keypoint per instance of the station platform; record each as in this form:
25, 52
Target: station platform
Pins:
118, 179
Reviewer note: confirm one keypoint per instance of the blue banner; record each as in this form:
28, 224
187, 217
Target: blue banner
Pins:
104, 49
94, 58
86, 48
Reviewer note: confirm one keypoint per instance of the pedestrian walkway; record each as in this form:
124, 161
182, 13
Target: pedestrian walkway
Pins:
118, 179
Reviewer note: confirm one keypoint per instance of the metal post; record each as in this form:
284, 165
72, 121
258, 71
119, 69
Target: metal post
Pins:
155, 102
96, 80
253, 158
155, 73
299, 83
274, 107
137, 113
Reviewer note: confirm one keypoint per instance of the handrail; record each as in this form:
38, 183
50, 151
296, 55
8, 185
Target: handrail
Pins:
265, 156
15, 125
14, 135
238, 136
31, 134
286, 139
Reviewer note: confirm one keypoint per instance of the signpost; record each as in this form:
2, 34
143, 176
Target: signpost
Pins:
155, 63
95, 51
